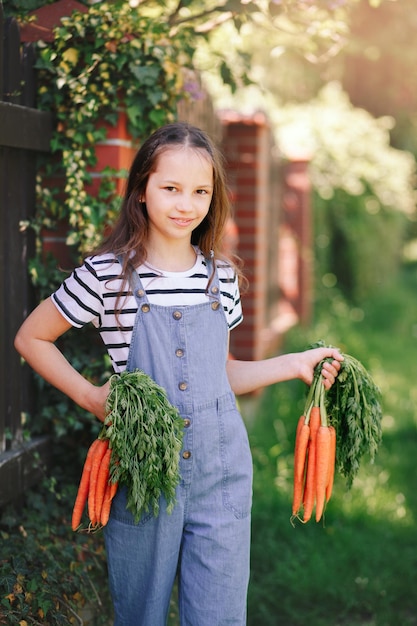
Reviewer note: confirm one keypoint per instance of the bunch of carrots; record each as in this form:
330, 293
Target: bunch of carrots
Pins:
95, 488
138, 447
314, 457
336, 429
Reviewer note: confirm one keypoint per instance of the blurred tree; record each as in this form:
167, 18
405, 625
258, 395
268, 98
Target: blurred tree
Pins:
364, 190
380, 68
308, 30
380, 72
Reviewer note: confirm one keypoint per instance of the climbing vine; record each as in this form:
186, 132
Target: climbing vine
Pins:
103, 60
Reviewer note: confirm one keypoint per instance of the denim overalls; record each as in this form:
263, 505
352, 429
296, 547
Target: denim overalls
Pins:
206, 538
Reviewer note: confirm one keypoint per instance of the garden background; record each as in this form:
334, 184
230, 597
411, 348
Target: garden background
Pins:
358, 567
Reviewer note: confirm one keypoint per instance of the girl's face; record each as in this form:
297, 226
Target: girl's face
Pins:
178, 193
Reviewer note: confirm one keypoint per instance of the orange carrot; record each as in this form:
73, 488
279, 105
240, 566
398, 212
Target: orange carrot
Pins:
105, 509
322, 468
102, 482
300, 454
109, 495
95, 468
83, 487
310, 483
332, 463
113, 489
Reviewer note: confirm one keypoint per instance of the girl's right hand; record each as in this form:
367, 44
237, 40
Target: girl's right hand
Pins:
99, 398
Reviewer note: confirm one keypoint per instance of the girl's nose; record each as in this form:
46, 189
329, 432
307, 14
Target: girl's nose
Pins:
184, 203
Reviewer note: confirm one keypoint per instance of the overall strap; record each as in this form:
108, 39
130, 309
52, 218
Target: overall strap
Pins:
134, 282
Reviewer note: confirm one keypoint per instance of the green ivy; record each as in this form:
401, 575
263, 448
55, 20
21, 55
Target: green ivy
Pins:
50, 575
105, 60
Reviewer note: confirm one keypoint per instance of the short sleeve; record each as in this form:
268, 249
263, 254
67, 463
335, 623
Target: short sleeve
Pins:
79, 297
230, 294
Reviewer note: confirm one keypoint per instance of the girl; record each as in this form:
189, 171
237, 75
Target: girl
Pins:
164, 300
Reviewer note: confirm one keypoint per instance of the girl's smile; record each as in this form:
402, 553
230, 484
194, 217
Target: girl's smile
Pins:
181, 222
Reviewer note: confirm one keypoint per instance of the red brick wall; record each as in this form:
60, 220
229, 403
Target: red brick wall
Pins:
273, 215
247, 146
115, 152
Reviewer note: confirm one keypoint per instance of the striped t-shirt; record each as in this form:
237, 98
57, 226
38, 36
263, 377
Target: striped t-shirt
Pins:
89, 294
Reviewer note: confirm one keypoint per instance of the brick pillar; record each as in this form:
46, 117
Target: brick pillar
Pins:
246, 146
296, 254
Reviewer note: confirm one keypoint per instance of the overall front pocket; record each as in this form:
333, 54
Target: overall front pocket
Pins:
236, 461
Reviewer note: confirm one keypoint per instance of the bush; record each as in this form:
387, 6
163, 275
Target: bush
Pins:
364, 196
358, 242
51, 575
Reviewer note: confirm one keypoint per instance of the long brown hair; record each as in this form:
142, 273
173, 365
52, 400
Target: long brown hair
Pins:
130, 232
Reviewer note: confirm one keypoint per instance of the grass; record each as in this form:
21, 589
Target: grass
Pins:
358, 568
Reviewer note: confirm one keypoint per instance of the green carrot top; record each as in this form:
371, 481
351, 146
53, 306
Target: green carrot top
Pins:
353, 407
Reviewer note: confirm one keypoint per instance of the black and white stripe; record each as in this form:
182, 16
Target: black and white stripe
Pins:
89, 294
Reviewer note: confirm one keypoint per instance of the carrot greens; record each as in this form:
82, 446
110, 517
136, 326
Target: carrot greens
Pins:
354, 409
336, 429
145, 433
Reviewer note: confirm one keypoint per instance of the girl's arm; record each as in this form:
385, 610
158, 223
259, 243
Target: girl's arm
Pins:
35, 341
248, 376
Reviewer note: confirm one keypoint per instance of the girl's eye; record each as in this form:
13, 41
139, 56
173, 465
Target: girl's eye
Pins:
202, 192
169, 188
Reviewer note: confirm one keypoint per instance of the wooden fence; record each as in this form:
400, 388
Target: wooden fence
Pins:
24, 133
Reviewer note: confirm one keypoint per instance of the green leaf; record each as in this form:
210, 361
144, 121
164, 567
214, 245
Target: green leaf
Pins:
146, 74
145, 432
353, 408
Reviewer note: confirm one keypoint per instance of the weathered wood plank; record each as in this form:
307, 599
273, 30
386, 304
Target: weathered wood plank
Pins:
25, 128
12, 65
1, 52
28, 98
24, 132
17, 204
3, 304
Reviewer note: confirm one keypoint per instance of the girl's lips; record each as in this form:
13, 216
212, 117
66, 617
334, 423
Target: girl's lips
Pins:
182, 221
